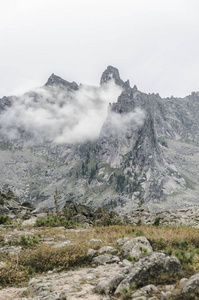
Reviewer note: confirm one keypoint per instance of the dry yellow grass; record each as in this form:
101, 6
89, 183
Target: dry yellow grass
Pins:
44, 258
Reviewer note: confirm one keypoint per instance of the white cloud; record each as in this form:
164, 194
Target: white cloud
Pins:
59, 115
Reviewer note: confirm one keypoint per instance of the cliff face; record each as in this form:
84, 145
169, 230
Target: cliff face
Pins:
146, 153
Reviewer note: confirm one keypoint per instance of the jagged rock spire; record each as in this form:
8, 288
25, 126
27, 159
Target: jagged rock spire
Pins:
58, 81
113, 73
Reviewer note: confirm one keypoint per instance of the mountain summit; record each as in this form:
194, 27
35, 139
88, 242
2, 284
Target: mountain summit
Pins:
145, 154
54, 80
112, 73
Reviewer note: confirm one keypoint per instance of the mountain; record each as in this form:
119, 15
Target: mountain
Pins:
138, 150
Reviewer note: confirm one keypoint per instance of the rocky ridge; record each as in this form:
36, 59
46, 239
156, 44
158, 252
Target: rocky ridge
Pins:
146, 154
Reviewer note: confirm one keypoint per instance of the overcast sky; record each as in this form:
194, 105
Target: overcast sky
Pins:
153, 43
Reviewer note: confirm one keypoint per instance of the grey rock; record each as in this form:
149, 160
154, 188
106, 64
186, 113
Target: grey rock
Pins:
95, 241
165, 294
109, 286
43, 289
30, 222
62, 244
108, 249
12, 250
105, 259
149, 268
146, 290
122, 241
183, 281
91, 252
126, 263
190, 288
137, 247
41, 215
4, 210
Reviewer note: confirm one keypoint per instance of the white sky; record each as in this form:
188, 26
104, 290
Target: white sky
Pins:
153, 43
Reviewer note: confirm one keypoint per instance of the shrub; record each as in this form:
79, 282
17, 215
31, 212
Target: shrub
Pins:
160, 244
4, 220
12, 275
46, 258
183, 244
126, 294
184, 257
28, 241
139, 232
156, 222
132, 258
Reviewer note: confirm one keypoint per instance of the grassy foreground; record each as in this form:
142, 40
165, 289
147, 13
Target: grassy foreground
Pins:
37, 256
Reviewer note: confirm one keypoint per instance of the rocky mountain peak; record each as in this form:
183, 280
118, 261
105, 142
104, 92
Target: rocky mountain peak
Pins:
113, 73
54, 80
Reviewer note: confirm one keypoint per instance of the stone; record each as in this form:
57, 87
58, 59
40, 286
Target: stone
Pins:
126, 263
91, 252
12, 250
41, 215
108, 249
105, 259
190, 288
109, 286
149, 268
95, 241
137, 247
123, 240
165, 294
62, 244
146, 290
30, 222
4, 210
44, 289
183, 281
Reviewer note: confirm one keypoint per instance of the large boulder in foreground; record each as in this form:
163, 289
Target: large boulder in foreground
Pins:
151, 268
191, 288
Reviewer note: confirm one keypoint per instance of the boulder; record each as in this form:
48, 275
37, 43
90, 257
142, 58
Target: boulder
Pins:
12, 250
109, 286
137, 247
62, 244
95, 241
146, 290
91, 252
43, 289
105, 259
4, 210
108, 249
149, 268
190, 288
123, 240
30, 222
